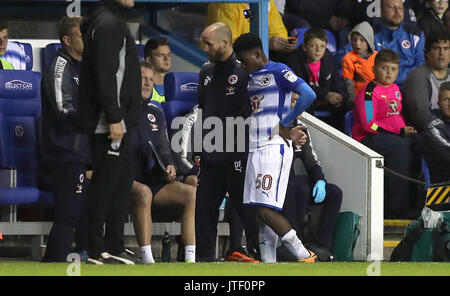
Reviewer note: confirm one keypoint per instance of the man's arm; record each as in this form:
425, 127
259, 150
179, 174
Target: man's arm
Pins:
108, 44
437, 142
62, 92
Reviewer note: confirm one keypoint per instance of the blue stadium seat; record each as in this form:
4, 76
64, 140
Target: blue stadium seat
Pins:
349, 120
300, 33
426, 174
49, 54
20, 110
181, 86
140, 48
174, 109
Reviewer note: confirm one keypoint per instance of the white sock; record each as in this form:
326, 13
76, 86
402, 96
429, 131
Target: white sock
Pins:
267, 244
147, 256
294, 245
189, 254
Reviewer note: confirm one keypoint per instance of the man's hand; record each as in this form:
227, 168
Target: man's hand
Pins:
282, 45
335, 98
171, 173
116, 131
296, 134
410, 131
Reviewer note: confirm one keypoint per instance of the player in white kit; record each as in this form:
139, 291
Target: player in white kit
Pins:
270, 155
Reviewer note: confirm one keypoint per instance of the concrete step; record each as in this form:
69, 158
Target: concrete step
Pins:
394, 230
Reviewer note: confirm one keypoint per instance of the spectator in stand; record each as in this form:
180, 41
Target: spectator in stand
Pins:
421, 88
406, 39
63, 148
155, 181
436, 137
232, 14
5, 65
380, 126
110, 96
371, 11
446, 20
357, 65
14, 53
157, 52
432, 19
316, 66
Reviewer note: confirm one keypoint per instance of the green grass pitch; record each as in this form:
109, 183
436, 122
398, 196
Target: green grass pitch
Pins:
13, 268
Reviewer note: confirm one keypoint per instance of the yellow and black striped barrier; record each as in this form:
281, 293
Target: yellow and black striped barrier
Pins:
438, 195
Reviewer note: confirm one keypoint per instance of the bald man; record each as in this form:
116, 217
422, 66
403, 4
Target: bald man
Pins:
222, 97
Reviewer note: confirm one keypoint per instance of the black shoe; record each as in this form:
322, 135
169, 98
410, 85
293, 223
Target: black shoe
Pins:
107, 258
130, 256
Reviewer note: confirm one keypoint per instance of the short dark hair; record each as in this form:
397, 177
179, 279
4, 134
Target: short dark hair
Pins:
154, 43
445, 86
3, 24
66, 25
315, 33
436, 37
387, 56
247, 41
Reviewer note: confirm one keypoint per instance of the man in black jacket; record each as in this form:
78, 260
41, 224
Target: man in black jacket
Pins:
436, 138
222, 94
63, 148
155, 181
110, 87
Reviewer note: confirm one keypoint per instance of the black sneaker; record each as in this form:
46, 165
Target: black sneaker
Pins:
130, 256
107, 258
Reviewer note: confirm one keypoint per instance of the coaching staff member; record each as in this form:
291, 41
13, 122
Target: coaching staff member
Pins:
63, 148
222, 93
110, 96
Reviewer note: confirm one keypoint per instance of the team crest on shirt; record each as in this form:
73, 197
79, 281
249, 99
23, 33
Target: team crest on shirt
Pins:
79, 188
406, 44
154, 127
229, 90
151, 117
265, 80
393, 105
232, 79
256, 102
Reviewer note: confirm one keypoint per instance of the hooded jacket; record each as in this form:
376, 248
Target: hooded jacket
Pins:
355, 67
110, 77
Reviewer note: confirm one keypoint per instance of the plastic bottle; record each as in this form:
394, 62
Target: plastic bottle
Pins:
165, 253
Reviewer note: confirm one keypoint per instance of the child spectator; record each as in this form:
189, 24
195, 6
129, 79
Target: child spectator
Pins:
437, 138
432, 19
357, 65
315, 65
380, 126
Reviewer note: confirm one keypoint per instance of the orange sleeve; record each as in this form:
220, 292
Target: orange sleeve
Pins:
348, 71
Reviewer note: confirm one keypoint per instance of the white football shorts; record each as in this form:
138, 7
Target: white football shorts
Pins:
267, 176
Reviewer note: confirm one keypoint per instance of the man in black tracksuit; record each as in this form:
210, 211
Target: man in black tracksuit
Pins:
311, 187
110, 96
222, 93
63, 149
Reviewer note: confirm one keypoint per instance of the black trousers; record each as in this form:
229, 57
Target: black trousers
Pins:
109, 194
213, 184
299, 198
69, 184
